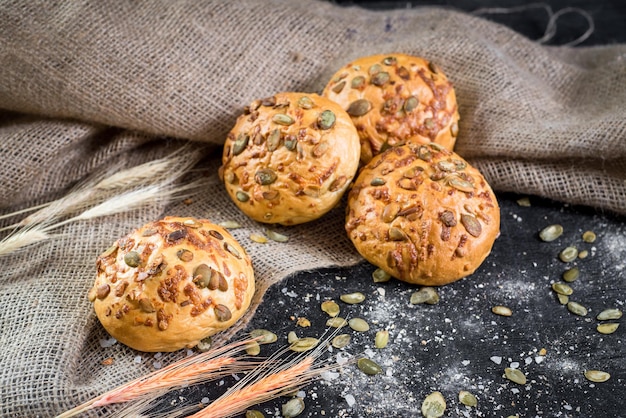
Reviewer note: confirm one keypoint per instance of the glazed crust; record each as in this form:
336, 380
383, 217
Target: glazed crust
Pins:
395, 98
172, 283
289, 158
422, 214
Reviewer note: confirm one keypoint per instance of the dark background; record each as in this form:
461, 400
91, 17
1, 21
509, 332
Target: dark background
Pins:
459, 344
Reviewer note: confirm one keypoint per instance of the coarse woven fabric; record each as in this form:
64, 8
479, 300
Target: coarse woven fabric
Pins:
87, 85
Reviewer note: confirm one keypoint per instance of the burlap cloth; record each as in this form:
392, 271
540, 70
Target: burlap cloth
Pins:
88, 84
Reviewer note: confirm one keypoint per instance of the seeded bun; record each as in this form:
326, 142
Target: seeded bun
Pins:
422, 214
289, 158
396, 98
172, 283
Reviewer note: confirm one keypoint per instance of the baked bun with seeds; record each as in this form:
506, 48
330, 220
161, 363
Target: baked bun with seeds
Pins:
422, 214
171, 283
396, 98
289, 158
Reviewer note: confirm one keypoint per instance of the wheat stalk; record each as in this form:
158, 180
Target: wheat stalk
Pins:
22, 239
203, 367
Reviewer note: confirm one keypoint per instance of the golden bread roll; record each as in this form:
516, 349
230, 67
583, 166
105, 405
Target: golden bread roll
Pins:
422, 214
171, 283
395, 98
289, 158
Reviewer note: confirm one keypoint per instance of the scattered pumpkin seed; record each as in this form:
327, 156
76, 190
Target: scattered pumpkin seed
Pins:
292, 337
467, 399
304, 344
562, 288
258, 238
369, 367
550, 233
589, 236
132, 259
382, 338
282, 119
426, 295
563, 299
336, 322
434, 405
292, 408
380, 276
576, 308
275, 236
502, 310
359, 107
253, 348
341, 341
609, 314
263, 336
597, 376
515, 375
230, 224
358, 324
253, 413
524, 202
583, 254
568, 254
571, 275
352, 298
330, 307
303, 322
205, 344
607, 328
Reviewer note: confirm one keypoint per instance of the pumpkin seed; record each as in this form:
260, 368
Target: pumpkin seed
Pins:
424, 153
330, 307
550, 233
359, 107
434, 405
461, 185
326, 119
292, 337
240, 143
230, 224
426, 295
282, 119
184, 255
304, 344
471, 224
242, 196
352, 298
336, 322
103, 291
607, 328
390, 212
205, 344
433, 68
380, 79
341, 341
292, 408
380, 276
222, 313
608, 314
357, 82
397, 234
382, 338
263, 336
375, 69
253, 413
202, 275
132, 259
265, 176
571, 275
145, 304
231, 249
515, 375
338, 87
273, 140
378, 181
253, 348
275, 236
597, 376
583, 254
502, 310
589, 236
411, 103
369, 367
305, 102
576, 308
358, 324
467, 399
524, 202
390, 61
562, 288
454, 129
258, 238
568, 254
563, 299
320, 149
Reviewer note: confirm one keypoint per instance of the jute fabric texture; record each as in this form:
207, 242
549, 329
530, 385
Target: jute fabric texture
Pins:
86, 85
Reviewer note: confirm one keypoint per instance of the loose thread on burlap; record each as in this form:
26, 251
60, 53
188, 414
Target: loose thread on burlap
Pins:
551, 26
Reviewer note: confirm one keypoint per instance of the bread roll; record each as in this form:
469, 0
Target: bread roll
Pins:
422, 214
395, 98
289, 158
172, 283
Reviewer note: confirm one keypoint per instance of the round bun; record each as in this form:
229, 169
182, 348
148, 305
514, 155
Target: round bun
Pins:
422, 214
172, 283
289, 158
396, 98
